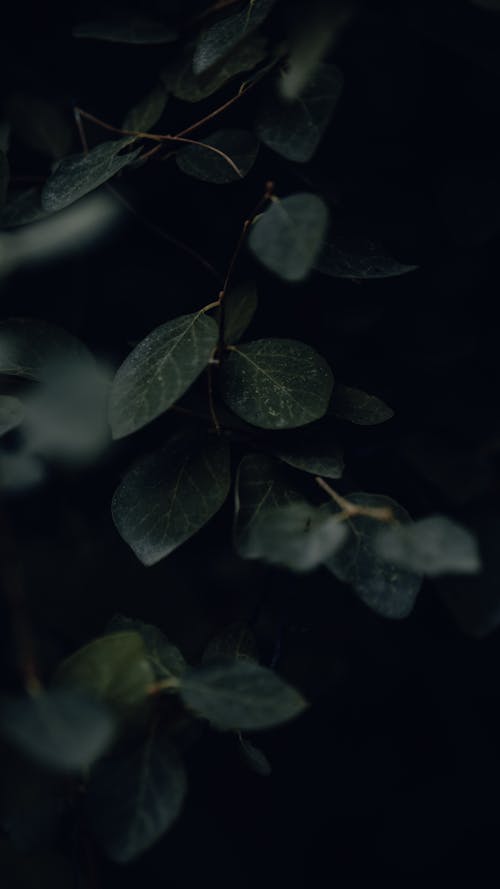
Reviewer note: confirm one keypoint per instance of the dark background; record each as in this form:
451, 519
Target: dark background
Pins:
393, 773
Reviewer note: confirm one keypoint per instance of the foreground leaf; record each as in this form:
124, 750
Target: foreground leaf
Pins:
240, 694
288, 237
218, 40
159, 370
11, 413
133, 29
294, 128
261, 484
180, 79
276, 383
169, 495
385, 587
240, 145
240, 305
35, 349
433, 546
79, 174
143, 116
164, 656
134, 798
63, 730
359, 259
358, 407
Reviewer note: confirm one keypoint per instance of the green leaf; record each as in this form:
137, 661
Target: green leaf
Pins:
222, 37
22, 209
39, 124
254, 758
276, 383
358, 407
261, 484
180, 79
33, 349
386, 588
288, 236
63, 730
433, 546
169, 495
159, 370
164, 656
235, 641
240, 305
143, 116
297, 536
133, 29
240, 145
359, 259
294, 128
11, 413
4, 177
114, 668
134, 798
318, 457
79, 174
239, 694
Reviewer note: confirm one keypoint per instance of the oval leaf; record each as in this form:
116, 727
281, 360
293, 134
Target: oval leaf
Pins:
218, 40
288, 237
358, 407
315, 457
143, 116
240, 305
432, 546
165, 657
240, 145
159, 370
276, 384
180, 79
261, 484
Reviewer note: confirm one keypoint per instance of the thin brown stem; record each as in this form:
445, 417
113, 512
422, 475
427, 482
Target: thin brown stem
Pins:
348, 509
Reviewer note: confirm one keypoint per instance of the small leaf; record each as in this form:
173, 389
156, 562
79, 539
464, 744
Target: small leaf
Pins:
316, 457
164, 656
143, 116
261, 484
359, 259
133, 29
254, 758
288, 236
63, 730
240, 305
358, 407
39, 124
134, 798
78, 174
11, 413
159, 370
240, 145
294, 128
276, 384
180, 79
33, 349
114, 668
432, 546
218, 40
239, 694
386, 588
235, 641
169, 495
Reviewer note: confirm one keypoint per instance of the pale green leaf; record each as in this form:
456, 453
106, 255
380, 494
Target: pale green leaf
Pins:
289, 235
240, 146
11, 413
433, 546
358, 407
359, 259
164, 656
225, 35
143, 116
132, 29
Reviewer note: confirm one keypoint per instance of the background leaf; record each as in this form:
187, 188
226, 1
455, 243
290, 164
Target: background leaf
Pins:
11, 413
235, 641
240, 145
143, 116
359, 259
222, 37
180, 79
132, 29
254, 758
33, 349
261, 483
358, 407
240, 305
315, 455
435, 545
288, 236
164, 656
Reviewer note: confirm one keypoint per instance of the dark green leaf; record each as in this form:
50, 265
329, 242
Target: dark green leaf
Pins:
385, 587
261, 484
64, 730
432, 546
316, 457
359, 259
133, 29
240, 305
39, 124
276, 384
159, 370
180, 79
169, 495
235, 641
239, 694
294, 128
222, 37
143, 116
358, 407
134, 798
25, 207
78, 174
33, 349
240, 145
254, 758
165, 657
288, 236
11, 413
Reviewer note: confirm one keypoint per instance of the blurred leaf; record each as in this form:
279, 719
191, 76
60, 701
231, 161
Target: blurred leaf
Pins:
254, 758
33, 349
143, 116
78, 174
25, 207
235, 641
261, 483
131, 29
435, 545
11, 413
294, 128
180, 79
63, 730
359, 259
288, 236
134, 798
169, 495
358, 407
386, 588
164, 656
239, 694
240, 145
159, 370
222, 37
276, 383
20, 471
4, 177
240, 305
39, 124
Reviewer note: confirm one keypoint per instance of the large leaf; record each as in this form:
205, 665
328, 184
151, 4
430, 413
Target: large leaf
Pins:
358, 407
386, 588
35, 349
143, 116
159, 370
359, 259
288, 237
240, 305
294, 128
11, 413
240, 145
132, 29
435, 545
133, 798
169, 495
261, 484
180, 79
78, 174
64, 730
239, 694
276, 384
164, 656
222, 37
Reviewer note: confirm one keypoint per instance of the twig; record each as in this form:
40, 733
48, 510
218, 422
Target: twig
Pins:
348, 509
